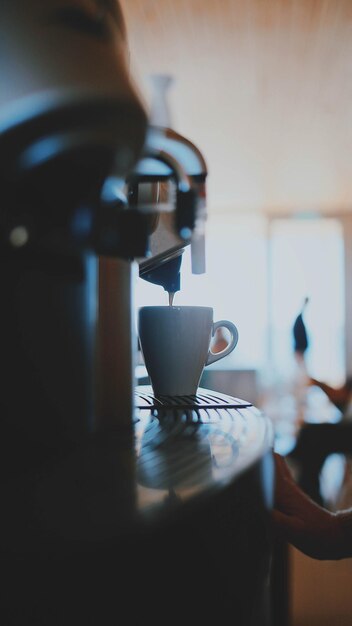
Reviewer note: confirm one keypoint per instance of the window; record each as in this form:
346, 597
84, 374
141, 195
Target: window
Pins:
307, 259
235, 285
257, 276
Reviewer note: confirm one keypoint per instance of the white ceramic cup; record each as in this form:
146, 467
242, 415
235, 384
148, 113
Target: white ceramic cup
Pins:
175, 343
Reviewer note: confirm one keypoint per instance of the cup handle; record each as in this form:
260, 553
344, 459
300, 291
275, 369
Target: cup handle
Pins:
232, 344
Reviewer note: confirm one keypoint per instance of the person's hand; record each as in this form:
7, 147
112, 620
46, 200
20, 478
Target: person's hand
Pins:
313, 530
339, 396
313, 382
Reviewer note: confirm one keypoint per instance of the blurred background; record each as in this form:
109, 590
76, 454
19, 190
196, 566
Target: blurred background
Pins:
264, 88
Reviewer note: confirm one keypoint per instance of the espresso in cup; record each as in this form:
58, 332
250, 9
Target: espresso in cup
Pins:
175, 343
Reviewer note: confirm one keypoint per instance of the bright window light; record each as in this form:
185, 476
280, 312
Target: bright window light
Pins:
257, 277
307, 259
235, 285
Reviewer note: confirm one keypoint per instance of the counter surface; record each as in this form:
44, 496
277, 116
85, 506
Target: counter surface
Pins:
97, 489
166, 520
183, 452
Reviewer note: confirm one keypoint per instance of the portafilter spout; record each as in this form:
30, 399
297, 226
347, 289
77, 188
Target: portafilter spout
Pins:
166, 274
169, 156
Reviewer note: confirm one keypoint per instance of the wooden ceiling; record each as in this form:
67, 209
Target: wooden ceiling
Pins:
264, 89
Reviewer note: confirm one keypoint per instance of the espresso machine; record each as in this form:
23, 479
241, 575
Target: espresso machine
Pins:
73, 131
69, 117
93, 196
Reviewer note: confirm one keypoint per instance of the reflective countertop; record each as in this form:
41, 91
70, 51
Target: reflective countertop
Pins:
97, 489
183, 451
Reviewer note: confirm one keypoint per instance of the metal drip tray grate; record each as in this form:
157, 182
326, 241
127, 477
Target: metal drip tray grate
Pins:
205, 399
210, 426
185, 444
204, 408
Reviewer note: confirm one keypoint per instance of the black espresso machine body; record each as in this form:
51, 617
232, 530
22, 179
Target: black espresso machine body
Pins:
70, 116
82, 533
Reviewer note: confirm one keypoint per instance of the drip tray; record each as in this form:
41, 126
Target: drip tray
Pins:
175, 412
205, 399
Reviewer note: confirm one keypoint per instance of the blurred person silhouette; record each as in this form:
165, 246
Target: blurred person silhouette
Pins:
299, 331
299, 515
340, 396
300, 376
317, 441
